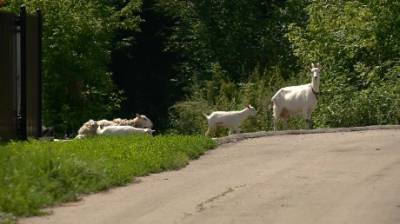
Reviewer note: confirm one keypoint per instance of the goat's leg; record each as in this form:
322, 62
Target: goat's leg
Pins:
285, 124
209, 130
236, 130
307, 118
275, 123
275, 117
308, 124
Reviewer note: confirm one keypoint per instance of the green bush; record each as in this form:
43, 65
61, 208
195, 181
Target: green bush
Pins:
339, 104
372, 106
222, 94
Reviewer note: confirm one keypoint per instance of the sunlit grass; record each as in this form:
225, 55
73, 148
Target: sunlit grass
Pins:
36, 174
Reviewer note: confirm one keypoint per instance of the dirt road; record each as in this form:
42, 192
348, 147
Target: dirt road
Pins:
351, 177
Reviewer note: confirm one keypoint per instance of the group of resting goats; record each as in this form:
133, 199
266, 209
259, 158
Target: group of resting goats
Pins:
286, 102
138, 125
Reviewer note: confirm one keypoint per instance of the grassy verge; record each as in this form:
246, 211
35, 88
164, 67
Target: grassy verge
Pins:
36, 174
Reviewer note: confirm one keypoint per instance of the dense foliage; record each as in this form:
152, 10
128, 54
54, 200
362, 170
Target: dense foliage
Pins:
176, 60
351, 38
355, 41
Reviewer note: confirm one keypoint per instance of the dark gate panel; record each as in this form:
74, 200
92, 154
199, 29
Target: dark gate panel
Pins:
33, 76
20, 75
8, 84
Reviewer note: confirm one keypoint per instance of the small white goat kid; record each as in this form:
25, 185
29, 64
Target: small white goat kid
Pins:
228, 119
292, 100
122, 130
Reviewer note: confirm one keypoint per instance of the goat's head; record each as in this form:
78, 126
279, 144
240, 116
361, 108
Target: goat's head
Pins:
252, 110
91, 123
141, 121
315, 70
89, 127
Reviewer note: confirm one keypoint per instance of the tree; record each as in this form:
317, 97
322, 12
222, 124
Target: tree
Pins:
76, 54
239, 35
356, 43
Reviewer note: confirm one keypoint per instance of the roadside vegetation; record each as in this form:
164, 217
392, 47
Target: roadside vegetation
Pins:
37, 174
174, 60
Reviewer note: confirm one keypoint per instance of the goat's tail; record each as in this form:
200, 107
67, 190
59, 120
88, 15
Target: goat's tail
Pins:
276, 96
205, 115
272, 104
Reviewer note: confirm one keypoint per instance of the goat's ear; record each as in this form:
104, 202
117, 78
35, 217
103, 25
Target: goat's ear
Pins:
137, 115
312, 65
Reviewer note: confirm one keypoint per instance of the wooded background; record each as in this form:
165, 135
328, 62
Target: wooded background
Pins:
176, 59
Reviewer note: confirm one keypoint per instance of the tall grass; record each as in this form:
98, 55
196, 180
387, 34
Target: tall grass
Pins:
36, 174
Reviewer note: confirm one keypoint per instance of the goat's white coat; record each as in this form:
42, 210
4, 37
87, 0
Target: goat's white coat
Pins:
122, 130
292, 100
229, 119
142, 121
105, 122
87, 129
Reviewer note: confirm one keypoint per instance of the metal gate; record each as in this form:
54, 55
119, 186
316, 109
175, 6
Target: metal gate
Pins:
20, 75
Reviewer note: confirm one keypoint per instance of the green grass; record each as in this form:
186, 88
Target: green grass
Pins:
36, 174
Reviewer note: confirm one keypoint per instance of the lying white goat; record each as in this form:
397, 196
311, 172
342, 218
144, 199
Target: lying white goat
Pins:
292, 100
88, 129
122, 130
228, 119
105, 122
141, 121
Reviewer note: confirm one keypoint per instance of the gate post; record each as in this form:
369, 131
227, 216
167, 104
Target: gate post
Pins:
40, 75
8, 80
22, 134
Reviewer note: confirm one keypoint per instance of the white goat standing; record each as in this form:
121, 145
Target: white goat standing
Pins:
292, 100
228, 119
122, 130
